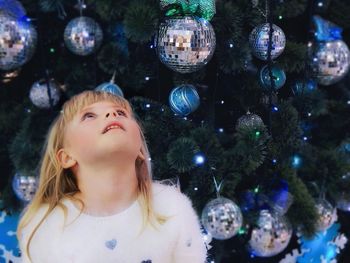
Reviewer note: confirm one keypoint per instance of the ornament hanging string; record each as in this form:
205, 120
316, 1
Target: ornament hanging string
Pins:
269, 61
218, 187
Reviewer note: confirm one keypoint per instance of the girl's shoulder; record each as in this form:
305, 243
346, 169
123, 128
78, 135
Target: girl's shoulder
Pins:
169, 199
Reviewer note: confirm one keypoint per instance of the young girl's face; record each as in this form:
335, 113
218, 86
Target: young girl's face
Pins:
88, 138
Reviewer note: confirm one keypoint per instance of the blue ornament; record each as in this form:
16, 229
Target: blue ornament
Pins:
13, 7
110, 87
326, 30
302, 87
278, 74
83, 36
184, 99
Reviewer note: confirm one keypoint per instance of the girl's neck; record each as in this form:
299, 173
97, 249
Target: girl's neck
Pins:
107, 191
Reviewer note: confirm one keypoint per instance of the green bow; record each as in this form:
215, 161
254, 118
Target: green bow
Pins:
201, 8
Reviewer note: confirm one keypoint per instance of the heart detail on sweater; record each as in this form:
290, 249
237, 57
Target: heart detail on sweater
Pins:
111, 243
146, 261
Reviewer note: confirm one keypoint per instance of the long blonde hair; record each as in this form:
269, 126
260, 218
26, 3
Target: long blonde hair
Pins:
56, 183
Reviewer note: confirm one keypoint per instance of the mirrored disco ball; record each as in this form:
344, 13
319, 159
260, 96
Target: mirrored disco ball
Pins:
111, 88
83, 35
185, 44
39, 94
25, 186
222, 218
249, 120
327, 214
271, 234
17, 41
329, 61
259, 41
184, 99
278, 76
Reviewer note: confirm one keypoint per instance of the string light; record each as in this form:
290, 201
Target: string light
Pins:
147, 78
199, 159
148, 105
221, 130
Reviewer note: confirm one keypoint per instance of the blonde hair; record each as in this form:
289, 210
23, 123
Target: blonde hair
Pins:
56, 183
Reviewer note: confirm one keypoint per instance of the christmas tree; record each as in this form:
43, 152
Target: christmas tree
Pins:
243, 102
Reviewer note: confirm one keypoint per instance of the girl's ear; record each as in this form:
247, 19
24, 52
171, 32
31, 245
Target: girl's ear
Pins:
141, 156
65, 159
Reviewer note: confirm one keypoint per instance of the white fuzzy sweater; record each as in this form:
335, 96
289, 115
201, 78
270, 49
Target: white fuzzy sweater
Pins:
114, 239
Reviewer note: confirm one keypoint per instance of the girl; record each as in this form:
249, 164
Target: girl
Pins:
96, 201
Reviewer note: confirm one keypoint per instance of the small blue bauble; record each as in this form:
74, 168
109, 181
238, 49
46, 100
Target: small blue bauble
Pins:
278, 75
184, 99
302, 87
111, 88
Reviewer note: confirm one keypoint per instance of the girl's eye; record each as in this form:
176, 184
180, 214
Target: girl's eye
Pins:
88, 115
122, 112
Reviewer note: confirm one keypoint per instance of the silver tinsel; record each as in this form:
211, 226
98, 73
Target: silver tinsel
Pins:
329, 61
271, 235
83, 36
39, 94
259, 41
249, 120
185, 44
222, 218
25, 186
17, 41
327, 214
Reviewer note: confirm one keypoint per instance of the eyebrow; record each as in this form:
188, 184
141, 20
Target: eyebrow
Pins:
91, 108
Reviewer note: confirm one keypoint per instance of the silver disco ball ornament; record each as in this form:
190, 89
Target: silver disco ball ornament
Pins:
259, 41
17, 41
329, 61
249, 120
327, 214
39, 93
185, 44
83, 36
25, 186
271, 234
222, 218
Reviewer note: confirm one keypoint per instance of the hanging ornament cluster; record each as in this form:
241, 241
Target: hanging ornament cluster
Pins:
329, 55
39, 93
278, 75
83, 36
327, 214
249, 120
271, 235
110, 87
184, 99
18, 40
259, 41
185, 44
24, 186
222, 218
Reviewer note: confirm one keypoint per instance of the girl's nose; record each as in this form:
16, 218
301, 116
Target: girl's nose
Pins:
114, 114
